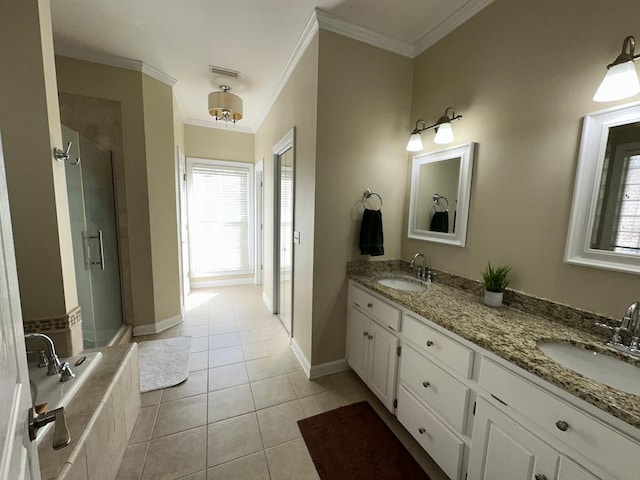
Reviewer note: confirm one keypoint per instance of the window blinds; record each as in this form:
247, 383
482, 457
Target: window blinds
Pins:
628, 232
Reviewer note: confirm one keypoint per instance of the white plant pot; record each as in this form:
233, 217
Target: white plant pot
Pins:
493, 299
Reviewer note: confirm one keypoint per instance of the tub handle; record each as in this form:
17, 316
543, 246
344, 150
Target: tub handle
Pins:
61, 437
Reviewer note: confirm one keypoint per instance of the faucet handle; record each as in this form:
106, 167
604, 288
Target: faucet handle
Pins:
61, 437
616, 339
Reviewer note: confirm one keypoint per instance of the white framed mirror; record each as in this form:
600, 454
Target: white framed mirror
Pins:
440, 190
604, 229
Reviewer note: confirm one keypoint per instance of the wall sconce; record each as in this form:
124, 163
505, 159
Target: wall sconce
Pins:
444, 132
621, 80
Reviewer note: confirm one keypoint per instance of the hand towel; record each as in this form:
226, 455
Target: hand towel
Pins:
371, 237
440, 222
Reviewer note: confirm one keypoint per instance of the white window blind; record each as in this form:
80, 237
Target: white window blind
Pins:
219, 218
628, 231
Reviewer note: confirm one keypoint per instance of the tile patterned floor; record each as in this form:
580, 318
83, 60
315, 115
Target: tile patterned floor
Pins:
235, 416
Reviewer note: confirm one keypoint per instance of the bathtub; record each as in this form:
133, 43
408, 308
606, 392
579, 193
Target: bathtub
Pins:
49, 389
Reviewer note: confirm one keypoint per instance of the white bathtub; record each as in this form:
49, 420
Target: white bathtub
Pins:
49, 389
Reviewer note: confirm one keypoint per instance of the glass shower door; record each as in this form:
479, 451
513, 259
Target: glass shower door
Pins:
92, 207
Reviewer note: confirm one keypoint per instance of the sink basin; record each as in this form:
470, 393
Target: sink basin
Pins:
402, 284
596, 366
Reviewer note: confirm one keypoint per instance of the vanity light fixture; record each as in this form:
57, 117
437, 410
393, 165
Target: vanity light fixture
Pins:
224, 105
444, 132
621, 80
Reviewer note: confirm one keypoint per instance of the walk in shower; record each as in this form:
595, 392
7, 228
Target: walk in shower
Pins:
92, 208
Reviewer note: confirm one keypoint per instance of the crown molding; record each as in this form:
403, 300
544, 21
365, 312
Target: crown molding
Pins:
342, 27
119, 62
452, 22
219, 126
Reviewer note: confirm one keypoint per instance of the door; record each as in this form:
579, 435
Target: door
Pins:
184, 230
92, 208
285, 216
358, 343
259, 220
572, 471
503, 449
18, 456
383, 359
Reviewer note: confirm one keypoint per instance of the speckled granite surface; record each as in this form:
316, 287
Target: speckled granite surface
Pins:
512, 333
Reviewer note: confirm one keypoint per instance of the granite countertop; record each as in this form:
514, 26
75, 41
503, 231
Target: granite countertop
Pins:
510, 333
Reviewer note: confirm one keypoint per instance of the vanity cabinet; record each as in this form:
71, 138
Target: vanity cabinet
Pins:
373, 348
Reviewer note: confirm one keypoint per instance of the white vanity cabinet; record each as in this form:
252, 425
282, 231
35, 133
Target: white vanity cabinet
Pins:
372, 346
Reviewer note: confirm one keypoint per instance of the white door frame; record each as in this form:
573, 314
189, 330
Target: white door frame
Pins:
183, 226
259, 208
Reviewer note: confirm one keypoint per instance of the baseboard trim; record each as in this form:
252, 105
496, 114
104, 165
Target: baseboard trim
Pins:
267, 301
157, 327
221, 283
304, 362
328, 368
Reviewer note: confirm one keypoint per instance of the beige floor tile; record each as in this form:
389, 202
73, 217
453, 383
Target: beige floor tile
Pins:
191, 320
251, 467
176, 455
267, 348
227, 376
180, 415
133, 462
150, 398
291, 461
222, 327
320, 402
199, 344
233, 438
195, 331
230, 402
272, 391
144, 424
266, 367
217, 317
224, 340
261, 334
195, 310
279, 424
225, 356
250, 311
259, 322
303, 386
290, 362
195, 384
198, 361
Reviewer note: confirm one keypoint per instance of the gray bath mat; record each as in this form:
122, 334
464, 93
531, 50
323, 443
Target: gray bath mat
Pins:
163, 363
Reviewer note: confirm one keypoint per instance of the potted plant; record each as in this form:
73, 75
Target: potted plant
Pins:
495, 282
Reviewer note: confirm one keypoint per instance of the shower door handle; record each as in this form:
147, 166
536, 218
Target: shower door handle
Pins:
99, 237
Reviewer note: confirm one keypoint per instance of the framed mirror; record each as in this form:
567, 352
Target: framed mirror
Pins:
440, 190
604, 229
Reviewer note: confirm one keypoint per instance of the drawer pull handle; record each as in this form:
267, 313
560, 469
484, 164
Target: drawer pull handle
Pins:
369, 305
364, 334
429, 343
540, 476
421, 430
369, 337
425, 384
562, 425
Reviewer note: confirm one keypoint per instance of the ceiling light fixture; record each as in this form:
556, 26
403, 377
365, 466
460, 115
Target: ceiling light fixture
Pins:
444, 132
224, 105
621, 80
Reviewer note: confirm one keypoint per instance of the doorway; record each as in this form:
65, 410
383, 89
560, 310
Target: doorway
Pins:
92, 209
284, 188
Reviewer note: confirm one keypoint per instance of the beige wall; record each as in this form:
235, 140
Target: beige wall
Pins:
364, 102
295, 107
161, 181
178, 126
218, 144
30, 125
523, 75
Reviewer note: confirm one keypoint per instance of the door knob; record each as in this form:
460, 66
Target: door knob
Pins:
429, 343
364, 334
421, 430
540, 476
562, 425
369, 337
369, 305
425, 384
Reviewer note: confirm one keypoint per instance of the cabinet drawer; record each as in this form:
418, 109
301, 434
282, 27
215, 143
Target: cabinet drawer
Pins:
437, 440
435, 387
448, 351
381, 310
584, 434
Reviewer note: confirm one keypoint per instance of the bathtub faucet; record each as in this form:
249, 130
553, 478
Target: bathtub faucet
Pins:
55, 365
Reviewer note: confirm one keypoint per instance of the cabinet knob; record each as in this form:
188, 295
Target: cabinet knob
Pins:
364, 334
425, 384
421, 430
429, 343
540, 476
369, 305
369, 337
562, 425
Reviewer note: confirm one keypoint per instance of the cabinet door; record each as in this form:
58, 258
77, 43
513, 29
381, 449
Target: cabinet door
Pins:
502, 449
358, 338
383, 359
571, 471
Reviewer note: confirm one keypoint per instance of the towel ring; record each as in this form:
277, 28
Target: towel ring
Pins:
436, 200
367, 194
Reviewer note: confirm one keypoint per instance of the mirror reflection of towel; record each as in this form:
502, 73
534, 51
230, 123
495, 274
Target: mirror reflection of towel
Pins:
371, 238
440, 222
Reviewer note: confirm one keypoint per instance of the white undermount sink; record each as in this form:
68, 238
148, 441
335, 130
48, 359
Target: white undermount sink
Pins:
402, 284
596, 366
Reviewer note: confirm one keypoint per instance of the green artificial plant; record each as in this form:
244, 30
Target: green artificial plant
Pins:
496, 279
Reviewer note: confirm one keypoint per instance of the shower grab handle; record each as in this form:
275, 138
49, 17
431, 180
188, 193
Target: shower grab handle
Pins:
99, 237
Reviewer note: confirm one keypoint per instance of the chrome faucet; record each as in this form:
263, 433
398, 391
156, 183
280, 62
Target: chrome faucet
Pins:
55, 366
422, 270
630, 323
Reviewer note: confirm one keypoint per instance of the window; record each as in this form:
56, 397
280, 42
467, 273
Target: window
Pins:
628, 231
220, 217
